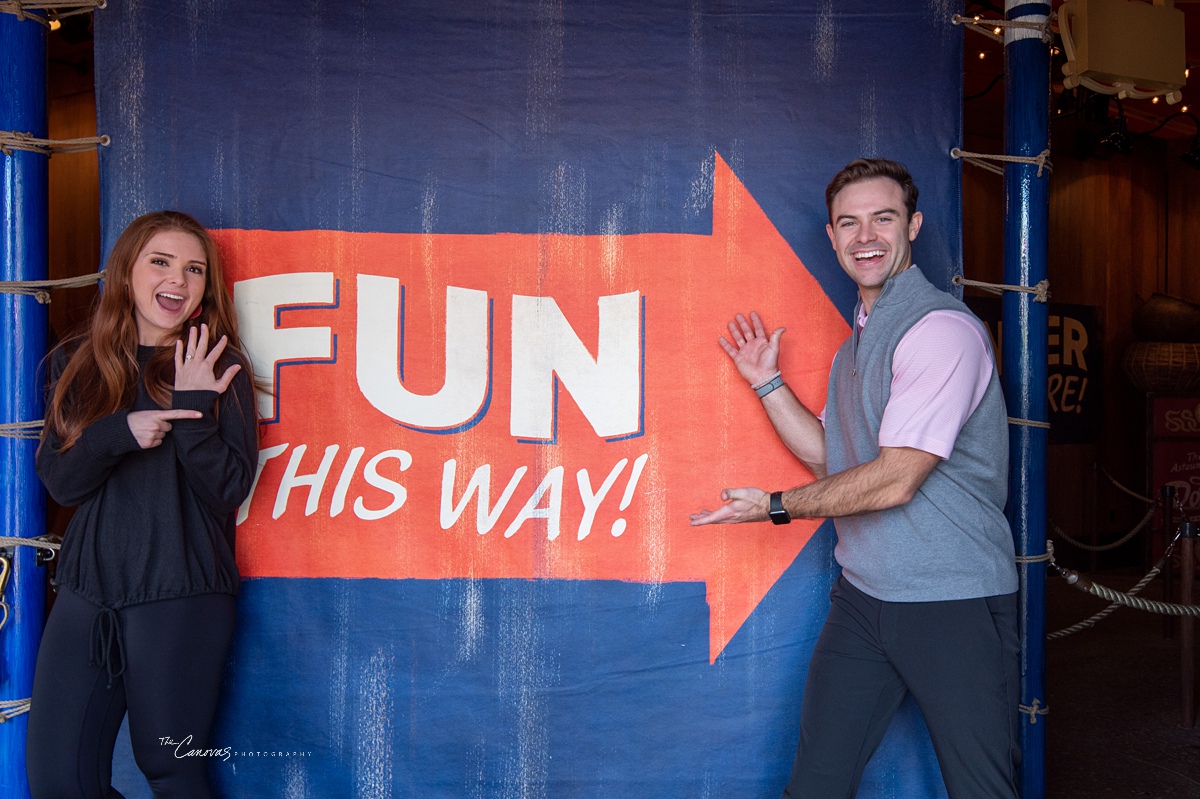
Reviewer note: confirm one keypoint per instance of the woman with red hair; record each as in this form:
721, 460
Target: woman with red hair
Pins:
151, 431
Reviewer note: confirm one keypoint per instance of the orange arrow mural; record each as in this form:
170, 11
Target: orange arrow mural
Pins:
540, 406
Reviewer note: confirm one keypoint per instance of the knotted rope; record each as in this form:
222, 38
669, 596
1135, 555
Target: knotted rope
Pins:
1034, 710
53, 10
987, 26
25, 431
1041, 160
15, 140
1040, 292
11, 708
40, 289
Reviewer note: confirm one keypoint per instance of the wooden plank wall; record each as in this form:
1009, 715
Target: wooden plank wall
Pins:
1183, 228
74, 188
74, 209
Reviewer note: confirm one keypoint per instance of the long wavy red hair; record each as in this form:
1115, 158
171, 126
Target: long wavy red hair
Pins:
101, 375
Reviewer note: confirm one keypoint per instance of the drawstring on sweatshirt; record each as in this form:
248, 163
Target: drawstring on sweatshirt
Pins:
107, 634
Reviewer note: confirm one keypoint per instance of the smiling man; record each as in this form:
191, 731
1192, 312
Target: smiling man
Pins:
911, 456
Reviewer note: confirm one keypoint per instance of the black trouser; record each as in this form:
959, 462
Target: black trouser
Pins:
958, 659
160, 661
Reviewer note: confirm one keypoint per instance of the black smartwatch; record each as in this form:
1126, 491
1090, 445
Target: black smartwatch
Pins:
777, 512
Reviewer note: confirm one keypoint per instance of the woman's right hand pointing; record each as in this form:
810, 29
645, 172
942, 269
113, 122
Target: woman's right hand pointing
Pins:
151, 427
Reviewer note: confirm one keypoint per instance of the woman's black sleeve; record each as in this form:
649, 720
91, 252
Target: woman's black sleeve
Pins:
219, 454
74, 475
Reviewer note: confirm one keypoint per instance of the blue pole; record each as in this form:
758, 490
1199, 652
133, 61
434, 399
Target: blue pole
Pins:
23, 241
1026, 221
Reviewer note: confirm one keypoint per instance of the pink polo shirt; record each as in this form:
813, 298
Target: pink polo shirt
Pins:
940, 371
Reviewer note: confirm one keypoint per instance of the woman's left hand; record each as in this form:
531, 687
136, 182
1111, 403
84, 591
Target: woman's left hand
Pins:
195, 364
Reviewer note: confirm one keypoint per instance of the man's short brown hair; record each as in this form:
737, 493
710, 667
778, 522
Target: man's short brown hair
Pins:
866, 168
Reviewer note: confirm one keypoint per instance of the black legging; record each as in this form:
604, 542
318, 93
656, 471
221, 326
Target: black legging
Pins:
160, 661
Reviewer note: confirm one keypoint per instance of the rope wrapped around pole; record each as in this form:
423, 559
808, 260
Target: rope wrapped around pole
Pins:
1041, 160
40, 289
25, 431
53, 10
1040, 292
11, 708
11, 140
987, 27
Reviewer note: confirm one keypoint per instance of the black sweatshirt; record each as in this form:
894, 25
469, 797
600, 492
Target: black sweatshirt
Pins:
154, 523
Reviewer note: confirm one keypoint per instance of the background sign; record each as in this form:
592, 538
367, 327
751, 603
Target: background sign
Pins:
1074, 367
1175, 449
481, 254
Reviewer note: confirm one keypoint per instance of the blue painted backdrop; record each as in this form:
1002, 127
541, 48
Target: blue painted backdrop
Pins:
525, 117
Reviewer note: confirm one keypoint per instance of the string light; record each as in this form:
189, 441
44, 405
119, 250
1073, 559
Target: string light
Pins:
981, 55
55, 24
996, 31
1154, 99
1183, 110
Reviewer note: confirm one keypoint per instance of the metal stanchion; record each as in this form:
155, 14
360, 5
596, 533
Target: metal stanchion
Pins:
1168, 515
1187, 624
